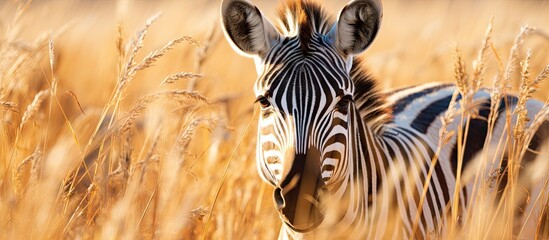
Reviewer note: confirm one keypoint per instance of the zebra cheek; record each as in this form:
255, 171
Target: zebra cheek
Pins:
268, 157
335, 149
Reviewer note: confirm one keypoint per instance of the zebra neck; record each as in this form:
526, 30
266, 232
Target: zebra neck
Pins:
369, 158
367, 161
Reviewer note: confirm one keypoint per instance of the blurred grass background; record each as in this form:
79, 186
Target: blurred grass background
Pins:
415, 45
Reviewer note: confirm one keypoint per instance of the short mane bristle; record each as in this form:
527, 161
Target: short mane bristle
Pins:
304, 19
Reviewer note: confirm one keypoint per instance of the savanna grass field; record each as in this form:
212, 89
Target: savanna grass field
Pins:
135, 119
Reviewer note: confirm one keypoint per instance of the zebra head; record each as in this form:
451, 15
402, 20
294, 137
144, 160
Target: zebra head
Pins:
305, 93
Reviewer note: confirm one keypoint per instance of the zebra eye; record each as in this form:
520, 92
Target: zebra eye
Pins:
343, 104
264, 102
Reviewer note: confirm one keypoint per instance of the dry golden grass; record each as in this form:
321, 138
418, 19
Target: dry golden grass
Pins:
116, 124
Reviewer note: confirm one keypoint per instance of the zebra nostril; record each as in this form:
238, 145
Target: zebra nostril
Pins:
324, 191
279, 199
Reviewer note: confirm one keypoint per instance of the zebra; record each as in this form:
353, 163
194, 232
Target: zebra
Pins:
329, 138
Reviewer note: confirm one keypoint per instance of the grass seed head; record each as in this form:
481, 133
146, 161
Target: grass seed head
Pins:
33, 108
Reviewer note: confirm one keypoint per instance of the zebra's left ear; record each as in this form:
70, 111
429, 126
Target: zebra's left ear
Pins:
357, 26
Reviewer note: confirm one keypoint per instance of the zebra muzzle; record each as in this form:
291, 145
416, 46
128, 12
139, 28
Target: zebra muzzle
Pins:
300, 197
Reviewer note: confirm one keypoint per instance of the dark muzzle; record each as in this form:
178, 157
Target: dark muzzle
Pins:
300, 197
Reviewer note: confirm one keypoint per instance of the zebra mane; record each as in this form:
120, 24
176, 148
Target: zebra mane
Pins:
304, 19
369, 100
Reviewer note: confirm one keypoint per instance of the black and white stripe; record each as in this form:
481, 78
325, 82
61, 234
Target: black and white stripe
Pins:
326, 132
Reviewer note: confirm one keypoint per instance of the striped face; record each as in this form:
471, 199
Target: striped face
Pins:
304, 103
303, 126
305, 94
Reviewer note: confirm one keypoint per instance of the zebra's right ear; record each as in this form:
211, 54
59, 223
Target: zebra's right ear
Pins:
247, 30
357, 26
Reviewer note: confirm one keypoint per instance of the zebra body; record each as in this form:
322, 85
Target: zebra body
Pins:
338, 151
